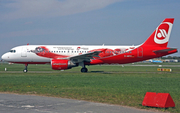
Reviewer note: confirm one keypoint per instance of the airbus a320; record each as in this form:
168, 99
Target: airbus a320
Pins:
62, 57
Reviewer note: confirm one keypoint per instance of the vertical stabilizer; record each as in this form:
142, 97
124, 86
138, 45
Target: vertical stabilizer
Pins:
160, 36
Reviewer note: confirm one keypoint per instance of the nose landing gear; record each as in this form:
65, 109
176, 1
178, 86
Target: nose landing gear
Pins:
25, 70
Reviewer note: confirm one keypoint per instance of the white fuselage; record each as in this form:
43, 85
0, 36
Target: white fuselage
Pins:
26, 53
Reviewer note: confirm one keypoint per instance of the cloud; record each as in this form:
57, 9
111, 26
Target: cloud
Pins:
50, 8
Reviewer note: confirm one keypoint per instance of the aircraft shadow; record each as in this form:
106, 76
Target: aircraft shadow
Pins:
96, 71
103, 72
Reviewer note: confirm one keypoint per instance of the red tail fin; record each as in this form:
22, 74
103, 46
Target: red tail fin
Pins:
160, 36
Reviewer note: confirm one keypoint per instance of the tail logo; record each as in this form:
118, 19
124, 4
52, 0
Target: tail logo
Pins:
162, 33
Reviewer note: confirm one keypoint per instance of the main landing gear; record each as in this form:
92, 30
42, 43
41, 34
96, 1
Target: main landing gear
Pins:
25, 70
83, 69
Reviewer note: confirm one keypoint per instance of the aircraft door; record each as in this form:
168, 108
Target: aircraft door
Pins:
139, 52
24, 52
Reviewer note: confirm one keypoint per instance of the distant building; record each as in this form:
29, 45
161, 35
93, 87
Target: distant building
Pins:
159, 60
170, 60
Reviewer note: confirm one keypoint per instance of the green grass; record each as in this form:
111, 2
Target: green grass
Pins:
107, 84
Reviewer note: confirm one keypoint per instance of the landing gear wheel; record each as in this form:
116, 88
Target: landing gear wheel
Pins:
84, 70
25, 70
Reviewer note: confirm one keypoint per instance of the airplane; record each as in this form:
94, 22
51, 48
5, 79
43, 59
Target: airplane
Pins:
62, 57
154, 61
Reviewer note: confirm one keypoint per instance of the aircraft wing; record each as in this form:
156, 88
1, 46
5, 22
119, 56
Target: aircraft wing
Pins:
164, 50
84, 57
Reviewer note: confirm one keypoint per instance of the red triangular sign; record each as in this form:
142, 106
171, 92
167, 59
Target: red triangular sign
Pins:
162, 100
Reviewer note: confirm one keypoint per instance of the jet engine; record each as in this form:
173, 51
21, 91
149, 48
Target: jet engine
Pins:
59, 64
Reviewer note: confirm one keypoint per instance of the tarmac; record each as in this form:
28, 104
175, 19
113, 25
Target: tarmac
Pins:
15, 103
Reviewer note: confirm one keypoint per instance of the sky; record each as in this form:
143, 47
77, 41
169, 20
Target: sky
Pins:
84, 22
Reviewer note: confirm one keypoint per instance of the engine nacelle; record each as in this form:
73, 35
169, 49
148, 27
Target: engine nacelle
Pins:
59, 64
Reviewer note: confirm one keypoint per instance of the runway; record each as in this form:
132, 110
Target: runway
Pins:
15, 103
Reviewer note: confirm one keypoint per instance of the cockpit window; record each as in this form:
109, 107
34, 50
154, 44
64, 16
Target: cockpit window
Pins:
12, 51
39, 49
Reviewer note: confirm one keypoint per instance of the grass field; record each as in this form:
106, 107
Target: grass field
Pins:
106, 84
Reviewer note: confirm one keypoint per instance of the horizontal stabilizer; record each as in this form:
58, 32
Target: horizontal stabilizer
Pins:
164, 50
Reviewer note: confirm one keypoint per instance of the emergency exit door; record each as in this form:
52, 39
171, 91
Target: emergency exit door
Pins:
140, 52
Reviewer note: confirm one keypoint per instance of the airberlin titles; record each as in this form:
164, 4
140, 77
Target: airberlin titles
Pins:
71, 48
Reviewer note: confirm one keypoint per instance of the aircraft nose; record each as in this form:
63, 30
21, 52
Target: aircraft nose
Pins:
4, 57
